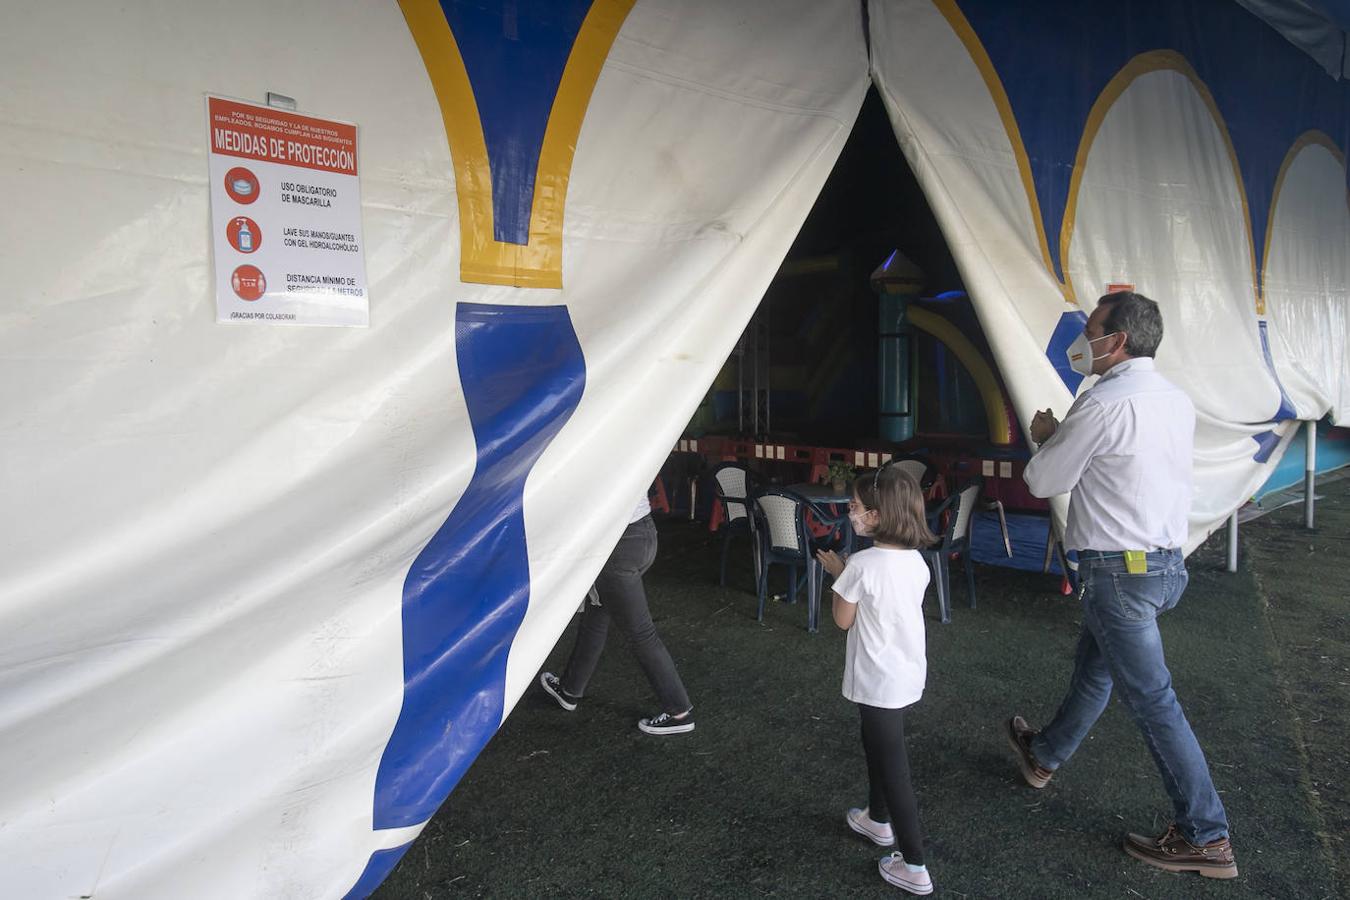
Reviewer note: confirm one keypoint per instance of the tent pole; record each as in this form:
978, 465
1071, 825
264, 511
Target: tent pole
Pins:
1233, 541
1309, 473
768, 378
754, 378
740, 386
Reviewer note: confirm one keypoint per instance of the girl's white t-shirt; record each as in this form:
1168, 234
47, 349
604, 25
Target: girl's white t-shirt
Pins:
885, 664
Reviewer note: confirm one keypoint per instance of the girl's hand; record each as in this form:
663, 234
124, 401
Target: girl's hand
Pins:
831, 561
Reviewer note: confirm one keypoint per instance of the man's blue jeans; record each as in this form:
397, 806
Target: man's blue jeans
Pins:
1120, 646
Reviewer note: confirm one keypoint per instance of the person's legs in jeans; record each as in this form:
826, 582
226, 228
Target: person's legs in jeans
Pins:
624, 600
1089, 692
883, 732
1123, 615
590, 643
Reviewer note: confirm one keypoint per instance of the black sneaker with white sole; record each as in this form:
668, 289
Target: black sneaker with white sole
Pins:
667, 724
552, 686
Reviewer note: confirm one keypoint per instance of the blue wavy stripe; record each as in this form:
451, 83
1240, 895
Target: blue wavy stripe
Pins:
381, 863
514, 52
1067, 330
1266, 442
523, 374
1286, 410
1054, 57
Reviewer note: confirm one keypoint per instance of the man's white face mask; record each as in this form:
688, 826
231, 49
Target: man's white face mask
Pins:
1080, 353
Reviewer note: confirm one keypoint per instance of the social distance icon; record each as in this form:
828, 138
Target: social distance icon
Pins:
248, 282
243, 234
241, 185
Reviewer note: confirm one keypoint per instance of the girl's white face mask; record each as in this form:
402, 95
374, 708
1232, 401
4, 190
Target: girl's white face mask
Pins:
1080, 353
857, 517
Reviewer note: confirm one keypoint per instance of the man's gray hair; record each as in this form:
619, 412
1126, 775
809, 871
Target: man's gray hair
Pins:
1137, 316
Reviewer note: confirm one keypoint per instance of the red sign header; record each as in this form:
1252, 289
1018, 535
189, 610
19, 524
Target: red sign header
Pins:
275, 135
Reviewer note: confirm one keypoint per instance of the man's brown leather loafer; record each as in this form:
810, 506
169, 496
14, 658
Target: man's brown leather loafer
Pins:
1176, 854
1019, 739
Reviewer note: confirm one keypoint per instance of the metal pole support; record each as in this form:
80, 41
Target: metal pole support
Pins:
1309, 473
1233, 541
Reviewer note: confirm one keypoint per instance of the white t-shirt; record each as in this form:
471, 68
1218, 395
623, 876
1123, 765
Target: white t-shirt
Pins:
885, 664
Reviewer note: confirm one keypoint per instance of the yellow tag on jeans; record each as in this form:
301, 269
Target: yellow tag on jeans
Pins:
1136, 562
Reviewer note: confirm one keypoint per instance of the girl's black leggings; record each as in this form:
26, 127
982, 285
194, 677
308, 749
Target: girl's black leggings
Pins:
890, 796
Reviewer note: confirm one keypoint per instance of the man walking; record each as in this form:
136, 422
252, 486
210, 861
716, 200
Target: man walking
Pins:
1123, 453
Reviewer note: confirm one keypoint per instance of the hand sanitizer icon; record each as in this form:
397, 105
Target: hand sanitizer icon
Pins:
245, 237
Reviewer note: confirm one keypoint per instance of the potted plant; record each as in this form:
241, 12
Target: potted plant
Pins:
839, 475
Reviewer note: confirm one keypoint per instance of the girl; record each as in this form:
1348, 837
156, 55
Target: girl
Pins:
878, 599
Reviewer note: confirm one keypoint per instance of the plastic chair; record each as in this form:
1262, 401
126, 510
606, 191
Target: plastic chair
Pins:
827, 523
734, 484
1069, 569
960, 509
784, 540
996, 507
922, 470
656, 496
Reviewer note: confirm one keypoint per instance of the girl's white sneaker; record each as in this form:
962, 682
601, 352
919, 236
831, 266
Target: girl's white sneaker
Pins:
879, 833
893, 869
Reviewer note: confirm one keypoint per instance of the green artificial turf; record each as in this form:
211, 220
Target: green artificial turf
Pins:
1305, 579
751, 804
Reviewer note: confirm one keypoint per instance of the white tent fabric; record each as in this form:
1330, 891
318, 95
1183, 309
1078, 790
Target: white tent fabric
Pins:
1307, 283
1308, 26
266, 591
1160, 205
209, 529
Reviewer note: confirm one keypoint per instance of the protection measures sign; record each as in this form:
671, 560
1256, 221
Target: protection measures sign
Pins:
285, 217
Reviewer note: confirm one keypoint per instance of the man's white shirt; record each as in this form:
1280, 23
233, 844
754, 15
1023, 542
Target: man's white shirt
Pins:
1124, 454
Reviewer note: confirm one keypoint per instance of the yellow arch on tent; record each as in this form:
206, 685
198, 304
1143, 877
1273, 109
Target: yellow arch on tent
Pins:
1307, 139
965, 33
995, 409
1144, 64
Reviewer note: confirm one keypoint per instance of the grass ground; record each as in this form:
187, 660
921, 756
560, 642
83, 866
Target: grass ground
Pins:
751, 803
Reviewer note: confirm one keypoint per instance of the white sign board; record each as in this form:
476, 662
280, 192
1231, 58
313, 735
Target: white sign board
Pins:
285, 217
